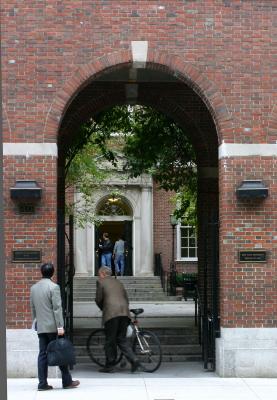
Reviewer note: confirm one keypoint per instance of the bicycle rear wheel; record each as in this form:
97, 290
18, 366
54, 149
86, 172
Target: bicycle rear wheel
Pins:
147, 348
96, 350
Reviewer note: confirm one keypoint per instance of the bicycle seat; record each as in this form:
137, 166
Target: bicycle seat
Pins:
137, 311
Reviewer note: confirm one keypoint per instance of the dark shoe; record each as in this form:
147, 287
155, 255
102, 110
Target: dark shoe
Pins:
123, 363
45, 387
73, 385
106, 369
135, 366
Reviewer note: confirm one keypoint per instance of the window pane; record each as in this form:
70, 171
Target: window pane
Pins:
192, 253
187, 242
184, 232
191, 232
184, 253
184, 242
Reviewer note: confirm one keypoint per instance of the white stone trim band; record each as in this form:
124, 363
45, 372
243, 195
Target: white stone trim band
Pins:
139, 53
246, 150
30, 149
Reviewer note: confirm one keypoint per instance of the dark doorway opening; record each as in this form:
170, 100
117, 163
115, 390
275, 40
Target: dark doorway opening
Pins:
116, 229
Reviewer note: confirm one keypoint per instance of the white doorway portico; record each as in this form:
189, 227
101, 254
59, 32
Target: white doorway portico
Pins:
132, 217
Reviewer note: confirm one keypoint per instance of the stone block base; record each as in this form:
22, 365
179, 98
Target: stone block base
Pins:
247, 352
22, 354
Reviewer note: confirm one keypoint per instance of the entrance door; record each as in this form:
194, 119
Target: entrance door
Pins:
115, 230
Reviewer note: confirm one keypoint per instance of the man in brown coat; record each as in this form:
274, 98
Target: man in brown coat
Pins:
112, 299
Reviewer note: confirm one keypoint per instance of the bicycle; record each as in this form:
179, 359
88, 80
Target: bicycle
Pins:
145, 345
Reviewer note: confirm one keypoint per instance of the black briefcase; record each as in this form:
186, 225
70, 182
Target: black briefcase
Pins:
60, 352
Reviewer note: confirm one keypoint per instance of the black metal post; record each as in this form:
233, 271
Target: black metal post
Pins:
173, 223
205, 328
61, 230
173, 239
71, 274
3, 361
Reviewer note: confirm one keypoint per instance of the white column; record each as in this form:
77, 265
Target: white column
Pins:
136, 246
146, 262
90, 249
81, 252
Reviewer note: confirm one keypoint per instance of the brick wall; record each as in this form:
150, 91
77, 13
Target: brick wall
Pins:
222, 52
45, 43
28, 231
248, 295
162, 230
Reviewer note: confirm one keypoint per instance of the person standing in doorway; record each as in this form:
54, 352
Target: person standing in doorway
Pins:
112, 299
106, 248
46, 307
119, 254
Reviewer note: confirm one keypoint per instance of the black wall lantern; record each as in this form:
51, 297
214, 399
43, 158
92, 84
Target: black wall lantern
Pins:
252, 190
26, 194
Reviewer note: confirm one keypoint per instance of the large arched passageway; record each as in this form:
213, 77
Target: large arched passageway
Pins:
157, 86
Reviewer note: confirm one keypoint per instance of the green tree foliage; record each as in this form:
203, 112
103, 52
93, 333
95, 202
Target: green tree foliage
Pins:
83, 175
153, 144
156, 145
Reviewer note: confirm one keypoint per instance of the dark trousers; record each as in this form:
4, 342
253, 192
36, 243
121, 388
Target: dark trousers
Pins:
44, 339
115, 332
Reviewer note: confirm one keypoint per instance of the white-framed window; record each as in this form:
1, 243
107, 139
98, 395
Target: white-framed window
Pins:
186, 243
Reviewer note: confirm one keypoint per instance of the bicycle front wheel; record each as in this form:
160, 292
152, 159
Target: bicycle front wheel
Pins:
96, 349
148, 349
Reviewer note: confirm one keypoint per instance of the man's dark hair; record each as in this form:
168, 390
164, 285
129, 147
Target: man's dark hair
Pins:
47, 270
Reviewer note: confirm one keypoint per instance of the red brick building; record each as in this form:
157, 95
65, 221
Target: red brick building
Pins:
211, 65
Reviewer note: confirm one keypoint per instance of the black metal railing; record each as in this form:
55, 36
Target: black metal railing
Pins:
209, 325
187, 282
159, 270
69, 275
207, 336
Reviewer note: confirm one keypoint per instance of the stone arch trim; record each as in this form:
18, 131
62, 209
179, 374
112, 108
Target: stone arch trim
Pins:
198, 81
172, 64
125, 199
79, 79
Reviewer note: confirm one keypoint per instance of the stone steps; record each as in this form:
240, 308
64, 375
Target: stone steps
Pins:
85, 360
171, 320
169, 350
138, 289
173, 340
178, 344
132, 297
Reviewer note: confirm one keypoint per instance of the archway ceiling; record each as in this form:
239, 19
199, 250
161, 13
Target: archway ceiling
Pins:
155, 89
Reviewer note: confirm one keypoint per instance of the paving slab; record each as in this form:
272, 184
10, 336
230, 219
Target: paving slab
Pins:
173, 381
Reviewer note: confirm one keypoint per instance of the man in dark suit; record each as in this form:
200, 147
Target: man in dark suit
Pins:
46, 308
112, 299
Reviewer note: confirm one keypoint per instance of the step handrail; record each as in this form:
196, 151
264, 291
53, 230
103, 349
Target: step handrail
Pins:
160, 271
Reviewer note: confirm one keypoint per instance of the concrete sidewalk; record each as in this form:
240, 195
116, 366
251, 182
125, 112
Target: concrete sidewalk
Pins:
172, 381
